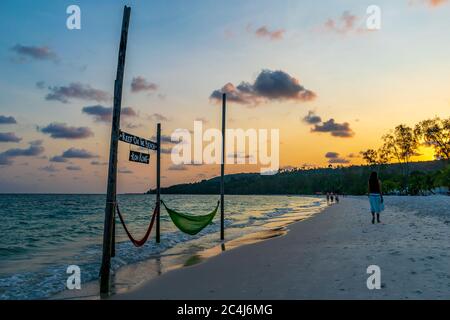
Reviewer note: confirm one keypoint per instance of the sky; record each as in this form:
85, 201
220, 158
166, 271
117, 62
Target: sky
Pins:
310, 69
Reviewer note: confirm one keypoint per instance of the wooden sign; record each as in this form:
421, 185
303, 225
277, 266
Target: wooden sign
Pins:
137, 141
139, 157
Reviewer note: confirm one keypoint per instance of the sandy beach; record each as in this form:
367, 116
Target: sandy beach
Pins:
326, 257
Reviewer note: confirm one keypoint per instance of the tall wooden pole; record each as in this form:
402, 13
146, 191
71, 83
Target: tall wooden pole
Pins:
112, 171
158, 182
222, 170
113, 237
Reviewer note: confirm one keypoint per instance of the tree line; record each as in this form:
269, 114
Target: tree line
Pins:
401, 144
393, 161
352, 180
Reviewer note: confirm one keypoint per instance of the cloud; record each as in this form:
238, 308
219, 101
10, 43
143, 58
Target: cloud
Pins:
34, 52
139, 84
177, 168
76, 90
435, 3
128, 112
341, 130
342, 25
157, 117
278, 85
334, 158
129, 125
98, 163
36, 143
34, 149
268, 86
7, 120
73, 168
332, 155
100, 113
239, 156
353, 155
125, 171
338, 161
9, 137
74, 153
104, 114
40, 84
50, 168
62, 131
312, 118
264, 32
58, 159
430, 3
233, 95
166, 151
165, 139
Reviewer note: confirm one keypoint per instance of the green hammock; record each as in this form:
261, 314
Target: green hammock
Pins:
188, 223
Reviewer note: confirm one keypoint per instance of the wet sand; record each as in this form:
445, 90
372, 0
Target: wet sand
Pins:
326, 257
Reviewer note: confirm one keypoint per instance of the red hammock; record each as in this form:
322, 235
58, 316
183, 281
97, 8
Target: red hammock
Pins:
139, 243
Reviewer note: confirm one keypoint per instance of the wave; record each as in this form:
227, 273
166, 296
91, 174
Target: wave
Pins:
76, 237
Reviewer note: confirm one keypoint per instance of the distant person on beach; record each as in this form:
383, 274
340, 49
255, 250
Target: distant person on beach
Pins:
375, 196
328, 198
331, 197
337, 198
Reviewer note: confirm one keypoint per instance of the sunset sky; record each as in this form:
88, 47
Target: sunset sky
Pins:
280, 61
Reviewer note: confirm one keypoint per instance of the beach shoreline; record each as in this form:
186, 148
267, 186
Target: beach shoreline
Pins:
326, 257
194, 250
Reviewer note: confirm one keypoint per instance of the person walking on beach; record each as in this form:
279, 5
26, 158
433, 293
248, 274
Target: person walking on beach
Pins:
328, 198
375, 196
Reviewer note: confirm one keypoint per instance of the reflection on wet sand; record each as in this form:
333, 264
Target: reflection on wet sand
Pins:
247, 239
275, 228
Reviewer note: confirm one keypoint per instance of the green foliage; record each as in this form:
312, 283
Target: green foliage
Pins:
345, 180
420, 182
435, 133
370, 156
443, 177
391, 186
401, 144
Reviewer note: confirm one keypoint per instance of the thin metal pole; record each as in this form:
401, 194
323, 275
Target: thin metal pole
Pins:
158, 182
222, 170
112, 170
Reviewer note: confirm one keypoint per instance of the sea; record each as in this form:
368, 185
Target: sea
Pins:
42, 235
